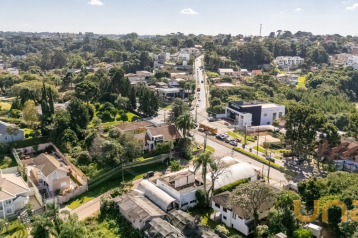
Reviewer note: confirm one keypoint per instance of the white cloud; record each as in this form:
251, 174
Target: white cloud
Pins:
281, 12
353, 7
348, 1
298, 9
187, 11
95, 3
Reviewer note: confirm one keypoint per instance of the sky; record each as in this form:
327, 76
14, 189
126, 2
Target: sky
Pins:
153, 17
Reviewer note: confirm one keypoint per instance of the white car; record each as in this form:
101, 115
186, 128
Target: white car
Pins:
199, 99
197, 105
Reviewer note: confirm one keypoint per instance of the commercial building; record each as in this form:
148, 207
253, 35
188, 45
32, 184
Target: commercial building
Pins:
254, 113
288, 61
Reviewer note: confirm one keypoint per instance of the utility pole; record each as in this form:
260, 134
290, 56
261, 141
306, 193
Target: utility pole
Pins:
245, 134
263, 167
164, 113
258, 138
268, 173
196, 113
205, 140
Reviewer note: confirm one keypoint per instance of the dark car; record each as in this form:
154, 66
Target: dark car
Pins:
148, 175
218, 137
238, 140
271, 159
202, 81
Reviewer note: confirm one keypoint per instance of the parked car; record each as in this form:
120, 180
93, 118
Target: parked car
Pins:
148, 175
227, 140
191, 133
218, 137
226, 124
233, 142
201, 129
238, 140
210, 119
202, 81
199, 99
197, 105
225, 134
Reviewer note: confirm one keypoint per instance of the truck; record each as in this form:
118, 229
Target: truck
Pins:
209, 128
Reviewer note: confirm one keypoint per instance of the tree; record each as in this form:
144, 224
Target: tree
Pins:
177, 108
79, 116
218, 168
12, 130
175, 165
96, 122
285, 199
302, 233
72, 228
42, 227
29, 113
87, 90
185, 122
133, 99
249, 197
203, 163
84, 158
61, 121
282, 220
352, 128
50, 102
67, 139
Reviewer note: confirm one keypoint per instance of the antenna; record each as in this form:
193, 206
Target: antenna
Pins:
260, 28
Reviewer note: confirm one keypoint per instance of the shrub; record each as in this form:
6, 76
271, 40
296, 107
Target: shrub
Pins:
107, 128
58, 192
96, 121
113, 97
107, 106
106, 116
115, 133
231, 186
116, 192
175, 165
265, 161
200, 199
302, 233
120, 112
124, 117
27, 136
91, 110
97, 105
84, 158
222, 229
114, 112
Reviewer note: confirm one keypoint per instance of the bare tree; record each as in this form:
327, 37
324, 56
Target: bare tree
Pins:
218, 169
250, 197
12, 131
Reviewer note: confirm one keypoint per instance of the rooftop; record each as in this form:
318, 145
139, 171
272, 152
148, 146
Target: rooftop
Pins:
11, 185
168, 132
160, 228
48, 164
134, 125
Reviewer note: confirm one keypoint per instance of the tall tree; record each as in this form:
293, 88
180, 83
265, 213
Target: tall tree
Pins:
177, 108
185, 122
202, 163
29, 113
86, 90
50, 102
249, 197
79, 116
133, 98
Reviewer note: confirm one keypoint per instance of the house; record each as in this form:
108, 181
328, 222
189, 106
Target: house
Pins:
256, 72
188, 225
347, 149
161, 134
224, 85
352, 61
244, 72
13, 71
283, 78
19, 57
225, 71
191, 51
175, 82
156, 195
234, 173
234, 216
5, 137
182, 186
161, 228
184, 56
48, 173
138, 209
13, 194
161, 85
162, 58
288, 61
143, 74
254, 113
131, 77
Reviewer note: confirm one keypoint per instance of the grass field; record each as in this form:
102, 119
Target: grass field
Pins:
164, 105
5, 106
108, 185
262, 150
301, 82
117, 120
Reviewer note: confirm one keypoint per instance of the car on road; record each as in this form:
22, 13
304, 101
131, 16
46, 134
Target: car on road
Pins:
238, 140
148, 175
202, 81
233, 142
225, 134
199, 99
210, 119
227, 140
218, 137
191, 134
271, 159
197, 105
192, 108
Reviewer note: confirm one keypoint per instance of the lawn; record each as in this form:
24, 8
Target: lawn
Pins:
164, 105
7, 164
111, 184
238, 136
301, 82
262, 150
15, 229
117, 120
212, 74
5, 106
97, 226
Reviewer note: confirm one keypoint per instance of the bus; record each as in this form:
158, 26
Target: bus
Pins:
198, 89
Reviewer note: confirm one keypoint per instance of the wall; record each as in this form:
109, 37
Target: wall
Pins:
73, 193
10, 170
270, 112
221, 115
5, 138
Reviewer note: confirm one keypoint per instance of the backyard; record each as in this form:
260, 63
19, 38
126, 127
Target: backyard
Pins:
301, 82
7, 161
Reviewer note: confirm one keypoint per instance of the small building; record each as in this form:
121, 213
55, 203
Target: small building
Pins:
288, 61
224, 85
234, 216
5, 137
283, 78
162, 134
138, 209
161, 228
244, 72
225, 71
161, 85
143, 74
182, 186
13, 194
316, 230
163, 200
131, 77
314, 69
256, 72
13, 71
254, 113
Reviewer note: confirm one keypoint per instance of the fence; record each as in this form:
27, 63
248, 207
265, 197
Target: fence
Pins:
36, 193
10, 170
20, 166
72, 194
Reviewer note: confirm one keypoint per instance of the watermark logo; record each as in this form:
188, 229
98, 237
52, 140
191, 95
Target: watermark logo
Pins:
353, 213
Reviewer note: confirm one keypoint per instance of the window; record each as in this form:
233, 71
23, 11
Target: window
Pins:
5, 137
63, 184
8, 202
234, 216
217, 205
274, 116
265, 114
193, 201
268, 123
224, 217
184, 204
8, 211
224, 209
242, 117
279, 114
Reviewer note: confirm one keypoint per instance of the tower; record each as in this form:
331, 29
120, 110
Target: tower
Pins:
260, 28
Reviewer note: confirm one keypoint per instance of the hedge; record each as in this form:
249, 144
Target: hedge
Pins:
265, 161
231, 186
30, 142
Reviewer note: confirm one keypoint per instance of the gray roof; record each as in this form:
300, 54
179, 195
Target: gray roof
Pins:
158, 228
137, 206
188, 226
48, 164
155, 194
11, 186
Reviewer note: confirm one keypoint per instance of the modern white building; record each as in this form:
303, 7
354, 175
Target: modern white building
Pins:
182, 186
233, 216
288, 60
5, 137
191, 51
254, 113
13, 194
225, 71
352, 61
